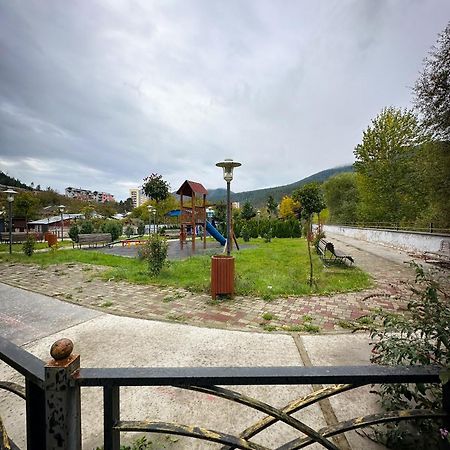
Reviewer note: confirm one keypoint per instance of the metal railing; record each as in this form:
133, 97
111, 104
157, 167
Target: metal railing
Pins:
53, 414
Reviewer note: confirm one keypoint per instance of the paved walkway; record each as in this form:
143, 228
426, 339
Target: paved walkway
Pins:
105, 340
80, 284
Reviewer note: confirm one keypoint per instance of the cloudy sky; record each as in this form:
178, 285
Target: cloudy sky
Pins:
100, 93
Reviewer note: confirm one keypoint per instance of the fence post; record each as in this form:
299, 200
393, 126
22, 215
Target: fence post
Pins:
446, 406
431, 227
62, 399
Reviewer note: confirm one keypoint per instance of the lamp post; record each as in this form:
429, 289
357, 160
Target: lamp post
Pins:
228, 165
155, 228
10, 197
150, 209
61, 210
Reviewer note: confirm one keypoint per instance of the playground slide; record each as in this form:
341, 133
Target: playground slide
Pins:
215, 234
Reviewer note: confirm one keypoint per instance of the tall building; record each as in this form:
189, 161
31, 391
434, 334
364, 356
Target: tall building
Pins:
138, 197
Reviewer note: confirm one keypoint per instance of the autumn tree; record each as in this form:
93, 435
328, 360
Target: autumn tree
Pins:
432, 89
287, 208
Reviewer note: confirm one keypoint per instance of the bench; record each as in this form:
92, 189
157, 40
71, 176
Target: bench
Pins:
173, 233
17, 237
442, 255
93, 239
336, 256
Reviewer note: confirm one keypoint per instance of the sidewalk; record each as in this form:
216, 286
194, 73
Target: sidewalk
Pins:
105, 340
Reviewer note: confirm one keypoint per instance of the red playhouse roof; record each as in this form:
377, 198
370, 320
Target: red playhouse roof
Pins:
188, 187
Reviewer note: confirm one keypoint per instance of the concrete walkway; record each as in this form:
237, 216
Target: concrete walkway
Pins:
105, 340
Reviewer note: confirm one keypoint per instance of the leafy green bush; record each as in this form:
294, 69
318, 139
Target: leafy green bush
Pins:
86, 227
112, 226
245, 233
28, 245
74, 232
267, 236
141, 229
422, 336
128, 231
155, 253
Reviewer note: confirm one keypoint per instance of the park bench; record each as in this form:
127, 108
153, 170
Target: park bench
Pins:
17, 237
442, 255
94, 239
335, 255
173, 233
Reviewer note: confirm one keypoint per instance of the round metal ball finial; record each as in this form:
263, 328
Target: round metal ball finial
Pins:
61, 349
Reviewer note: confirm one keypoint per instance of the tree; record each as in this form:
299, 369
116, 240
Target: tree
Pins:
432, 89
27, 205
287, 208
310, 198
341, 197
383, 166
271, 206
156, 188
247, 211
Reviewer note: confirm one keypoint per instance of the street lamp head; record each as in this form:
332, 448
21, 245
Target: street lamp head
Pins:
228, 165
10, 195
61, 208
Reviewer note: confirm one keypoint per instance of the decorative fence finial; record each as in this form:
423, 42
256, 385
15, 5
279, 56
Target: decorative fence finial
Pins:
61, 349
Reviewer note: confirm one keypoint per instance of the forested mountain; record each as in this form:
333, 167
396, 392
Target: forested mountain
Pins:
6, 180
258, 197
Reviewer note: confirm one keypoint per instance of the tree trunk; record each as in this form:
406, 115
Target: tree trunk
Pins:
309, 254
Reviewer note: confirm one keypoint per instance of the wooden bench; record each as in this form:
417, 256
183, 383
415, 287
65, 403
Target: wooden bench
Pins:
173, 233
442, 255
17, 237
93, 239
335, 255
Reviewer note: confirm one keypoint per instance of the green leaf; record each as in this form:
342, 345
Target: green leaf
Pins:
444, 375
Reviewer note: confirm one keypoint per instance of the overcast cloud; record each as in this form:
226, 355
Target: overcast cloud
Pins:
100, 93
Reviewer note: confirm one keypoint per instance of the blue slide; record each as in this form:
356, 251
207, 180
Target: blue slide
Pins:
215, 234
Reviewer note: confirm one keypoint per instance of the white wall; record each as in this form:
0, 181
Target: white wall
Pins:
406, 240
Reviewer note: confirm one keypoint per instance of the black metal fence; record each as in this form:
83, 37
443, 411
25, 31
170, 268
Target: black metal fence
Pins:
52, 395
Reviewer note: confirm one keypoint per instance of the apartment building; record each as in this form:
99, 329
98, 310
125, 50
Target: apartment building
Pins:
86, 194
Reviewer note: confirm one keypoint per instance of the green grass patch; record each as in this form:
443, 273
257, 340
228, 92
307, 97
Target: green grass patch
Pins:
268, 270
4, 247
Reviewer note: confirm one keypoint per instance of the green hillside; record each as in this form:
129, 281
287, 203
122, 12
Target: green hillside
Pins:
6, 180
258, 197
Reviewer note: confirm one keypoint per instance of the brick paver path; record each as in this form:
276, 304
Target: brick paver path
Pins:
80, 284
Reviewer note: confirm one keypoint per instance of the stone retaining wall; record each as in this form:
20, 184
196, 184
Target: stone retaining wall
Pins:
406, 240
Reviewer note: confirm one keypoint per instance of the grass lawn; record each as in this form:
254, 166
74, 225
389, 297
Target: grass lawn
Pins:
269, 270
39, 245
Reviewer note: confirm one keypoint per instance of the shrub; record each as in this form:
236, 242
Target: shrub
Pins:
114, 227
245, 233
267, 236
141, 229
422, 336
128, 231
28, 245
155, 252
86, 227
73, 233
